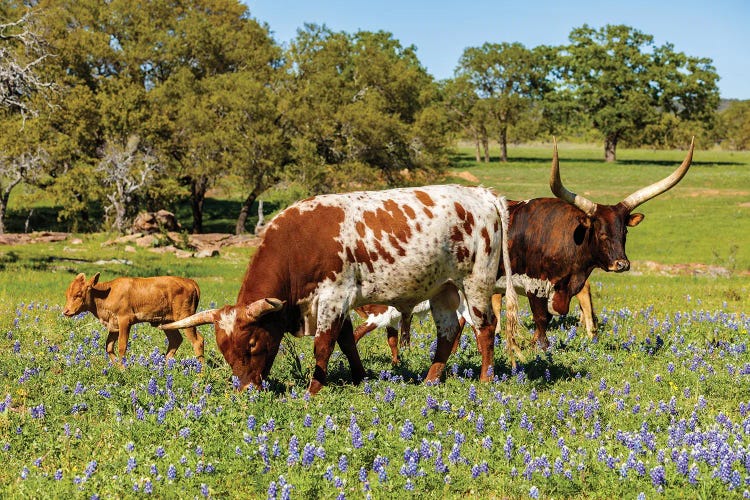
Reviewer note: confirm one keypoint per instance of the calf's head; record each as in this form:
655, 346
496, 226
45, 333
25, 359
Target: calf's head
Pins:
606, 226
78, 294
247, 335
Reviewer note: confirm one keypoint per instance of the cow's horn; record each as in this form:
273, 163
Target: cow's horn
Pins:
263, 306
644, 194
197, 319
556, 185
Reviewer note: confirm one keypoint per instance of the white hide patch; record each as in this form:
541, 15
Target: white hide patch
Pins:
543, 289
412, 264
227, 320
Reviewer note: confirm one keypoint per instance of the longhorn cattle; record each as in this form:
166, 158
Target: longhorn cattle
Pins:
123, 302
555, 243
328, 254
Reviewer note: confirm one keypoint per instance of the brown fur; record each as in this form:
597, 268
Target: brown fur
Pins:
123, 302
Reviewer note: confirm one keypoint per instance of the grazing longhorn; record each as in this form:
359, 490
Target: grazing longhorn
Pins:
123, 302
328, 254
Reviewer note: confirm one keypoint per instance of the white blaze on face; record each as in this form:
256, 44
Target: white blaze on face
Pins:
226, 321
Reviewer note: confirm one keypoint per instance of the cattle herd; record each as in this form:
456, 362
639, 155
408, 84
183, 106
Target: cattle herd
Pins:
449, 249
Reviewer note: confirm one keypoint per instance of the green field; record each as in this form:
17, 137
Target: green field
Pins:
659, 405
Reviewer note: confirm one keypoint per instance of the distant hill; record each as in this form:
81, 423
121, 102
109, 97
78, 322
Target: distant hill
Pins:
725, 103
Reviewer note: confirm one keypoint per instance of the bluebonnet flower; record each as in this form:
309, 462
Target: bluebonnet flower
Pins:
90, 468
38, 411
356, 434
407, 431
487, 443
308, 454
534, 492
171, 472
320, 435
251, 422
508, 448
307, 422
479, 426
343, 463
293, 456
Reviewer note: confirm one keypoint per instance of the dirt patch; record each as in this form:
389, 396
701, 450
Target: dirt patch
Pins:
467, 176
24, 238
714, 193
200, 245
745, 204
689, 269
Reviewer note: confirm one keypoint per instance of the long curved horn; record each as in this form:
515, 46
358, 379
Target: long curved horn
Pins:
556, 185
263, 306
197, 319
644, 194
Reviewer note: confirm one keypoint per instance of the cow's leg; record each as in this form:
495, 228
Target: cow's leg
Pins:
478, 305
325, 339
122, 339
457, 340
174, 340
363, 330
443, 308
392, 335
111, 339
542, 318
349, 348
406, 329
588, 318
196, 339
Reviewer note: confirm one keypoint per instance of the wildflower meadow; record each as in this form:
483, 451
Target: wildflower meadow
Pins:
658, 406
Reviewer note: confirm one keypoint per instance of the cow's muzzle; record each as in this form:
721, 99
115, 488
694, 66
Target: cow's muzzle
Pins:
620, 266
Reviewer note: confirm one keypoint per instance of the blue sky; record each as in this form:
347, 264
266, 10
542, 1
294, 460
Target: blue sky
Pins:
441, 30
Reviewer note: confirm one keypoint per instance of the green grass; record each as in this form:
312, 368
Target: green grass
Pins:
664, 393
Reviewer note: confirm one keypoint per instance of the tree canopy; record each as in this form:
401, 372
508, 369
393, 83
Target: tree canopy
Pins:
115, 107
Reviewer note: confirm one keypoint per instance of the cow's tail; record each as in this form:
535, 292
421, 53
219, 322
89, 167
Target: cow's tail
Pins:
511, 298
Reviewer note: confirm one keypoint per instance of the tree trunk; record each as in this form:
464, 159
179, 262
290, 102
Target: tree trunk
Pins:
486, 147
477, 152
3, 207
198, 189
610, 148
504, 144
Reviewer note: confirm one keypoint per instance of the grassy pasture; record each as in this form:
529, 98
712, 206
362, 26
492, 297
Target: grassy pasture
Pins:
659, 405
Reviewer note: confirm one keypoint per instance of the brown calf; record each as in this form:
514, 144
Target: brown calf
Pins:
123, 302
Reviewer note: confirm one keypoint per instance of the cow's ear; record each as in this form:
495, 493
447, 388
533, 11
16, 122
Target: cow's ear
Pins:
94, 280
635, 219
263, 306
584, 220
